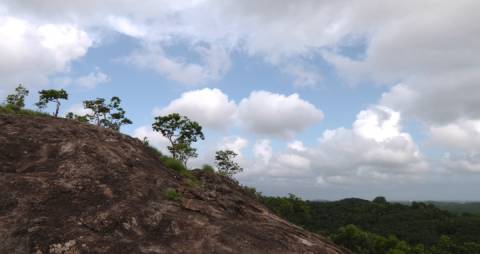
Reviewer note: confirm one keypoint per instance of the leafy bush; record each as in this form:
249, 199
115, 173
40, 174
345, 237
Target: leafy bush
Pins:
208, 169
172, 194
176, 165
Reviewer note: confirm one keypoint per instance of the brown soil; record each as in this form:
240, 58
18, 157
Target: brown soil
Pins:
68, 187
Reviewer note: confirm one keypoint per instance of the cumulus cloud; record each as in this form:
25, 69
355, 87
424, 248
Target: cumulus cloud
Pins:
234, 143
92, 79
34, 51
210, 107
276, 114
374, 150
462, 134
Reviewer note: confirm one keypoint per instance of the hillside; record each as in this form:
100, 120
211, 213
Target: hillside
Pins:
68, 187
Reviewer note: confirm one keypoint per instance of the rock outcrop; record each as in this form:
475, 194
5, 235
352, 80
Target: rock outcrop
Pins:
68, 187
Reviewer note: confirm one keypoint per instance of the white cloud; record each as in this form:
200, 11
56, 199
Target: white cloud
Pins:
461, 134
378, 123
469, 162
31, 52
210, 107
276, 114
125, 26
92, 79
263, 150
215, 62
296, 145
236, 144
375, 150
303, 76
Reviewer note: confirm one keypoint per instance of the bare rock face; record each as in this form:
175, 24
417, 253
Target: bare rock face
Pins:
71, 188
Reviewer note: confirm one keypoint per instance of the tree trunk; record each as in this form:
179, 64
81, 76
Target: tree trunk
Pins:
58, 107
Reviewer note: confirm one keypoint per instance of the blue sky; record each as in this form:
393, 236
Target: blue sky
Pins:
326, 100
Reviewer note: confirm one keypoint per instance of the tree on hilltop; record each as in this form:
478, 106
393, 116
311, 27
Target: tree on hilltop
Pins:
224, 159
181, 132
107, 115
16, 101
51, 95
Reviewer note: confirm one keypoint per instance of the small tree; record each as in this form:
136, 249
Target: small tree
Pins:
181, 132
16, 101
225, 163
116, 115
50, 95
98, 110
110, 116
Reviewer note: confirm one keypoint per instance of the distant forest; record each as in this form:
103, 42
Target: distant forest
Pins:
378, 226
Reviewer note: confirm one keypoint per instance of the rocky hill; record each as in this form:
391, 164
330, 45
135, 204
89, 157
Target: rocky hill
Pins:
68, 187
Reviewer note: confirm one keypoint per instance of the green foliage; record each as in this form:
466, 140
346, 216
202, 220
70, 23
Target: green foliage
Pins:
172, 194
252, 192
422, 227
26, 112
457, 207
16, 101
51, 95
181, 132
380, 200
207, 168
173, 164
225, 164
107, 115
291, 208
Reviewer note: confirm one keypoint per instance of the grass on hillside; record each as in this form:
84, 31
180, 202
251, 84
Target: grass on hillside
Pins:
4, 109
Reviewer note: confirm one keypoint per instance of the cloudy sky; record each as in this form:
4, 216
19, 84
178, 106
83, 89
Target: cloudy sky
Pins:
324, 99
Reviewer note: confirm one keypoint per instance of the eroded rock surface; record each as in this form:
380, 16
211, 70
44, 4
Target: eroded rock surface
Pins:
71, 188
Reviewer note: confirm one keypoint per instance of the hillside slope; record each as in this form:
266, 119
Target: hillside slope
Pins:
67, 187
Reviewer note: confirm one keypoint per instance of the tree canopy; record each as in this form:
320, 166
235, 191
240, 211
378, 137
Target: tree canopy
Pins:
107, 115
181, 133
16, 101
51, 95
226, 165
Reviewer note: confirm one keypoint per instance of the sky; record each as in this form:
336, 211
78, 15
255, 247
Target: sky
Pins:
323, 99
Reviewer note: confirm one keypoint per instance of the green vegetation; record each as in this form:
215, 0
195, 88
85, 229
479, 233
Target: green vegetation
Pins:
174, 164
457, 207
181, 132
51, 95
207, 168
172, 194
225, 163
383, 227
110, 115
4, 109
16, 101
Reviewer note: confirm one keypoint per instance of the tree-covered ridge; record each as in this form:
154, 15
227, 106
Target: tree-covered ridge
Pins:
378, 223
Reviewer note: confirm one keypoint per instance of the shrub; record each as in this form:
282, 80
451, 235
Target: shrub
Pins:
176, 165
208, 169
172, 194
